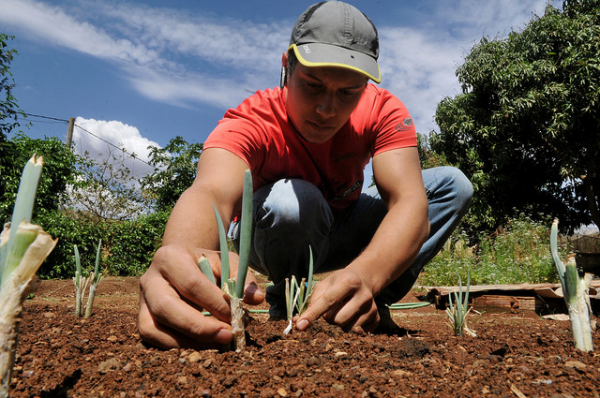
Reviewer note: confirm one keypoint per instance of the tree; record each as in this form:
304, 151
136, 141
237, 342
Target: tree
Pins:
9, 110
526, 128
175, 170
107, 190
60, 171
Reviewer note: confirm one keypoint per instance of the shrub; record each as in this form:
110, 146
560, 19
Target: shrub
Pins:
127, 249
517, 253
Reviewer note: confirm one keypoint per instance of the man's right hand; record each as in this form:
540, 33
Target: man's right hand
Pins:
173, 294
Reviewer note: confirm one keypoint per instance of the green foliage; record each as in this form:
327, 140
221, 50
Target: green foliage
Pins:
107, 189
9, 110
127, 246
131, 244
175, 170
526, 129
60, 170
515, 254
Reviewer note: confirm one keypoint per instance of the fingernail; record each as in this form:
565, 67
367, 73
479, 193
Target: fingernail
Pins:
302, 324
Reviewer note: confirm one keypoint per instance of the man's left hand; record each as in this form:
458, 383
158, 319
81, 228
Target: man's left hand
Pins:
343, 299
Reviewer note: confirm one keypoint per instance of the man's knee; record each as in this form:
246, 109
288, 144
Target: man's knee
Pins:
449, 182
291, 203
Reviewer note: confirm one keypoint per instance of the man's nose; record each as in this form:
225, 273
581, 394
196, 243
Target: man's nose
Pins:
326, 106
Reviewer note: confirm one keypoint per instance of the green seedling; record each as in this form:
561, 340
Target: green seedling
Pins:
82, 282
575, 293
458, 310
23, 248
96, 278
298, 295
234, 288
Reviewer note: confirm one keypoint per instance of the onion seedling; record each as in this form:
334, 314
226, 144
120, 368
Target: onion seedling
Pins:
81, 282
95, 278
297, 296
575, 292
457, 312
235, 287
23, 248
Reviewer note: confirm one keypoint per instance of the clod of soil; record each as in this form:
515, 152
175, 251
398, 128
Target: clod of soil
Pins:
516, 354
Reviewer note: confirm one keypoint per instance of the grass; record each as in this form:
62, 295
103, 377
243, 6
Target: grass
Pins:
518, 253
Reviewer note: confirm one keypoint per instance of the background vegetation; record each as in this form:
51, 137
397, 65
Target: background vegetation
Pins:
525, 130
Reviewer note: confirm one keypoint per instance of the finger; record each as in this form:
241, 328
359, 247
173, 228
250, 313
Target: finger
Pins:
356, 310
167, 308
365, 322
163, 337
187, 281
252, 293
322, 302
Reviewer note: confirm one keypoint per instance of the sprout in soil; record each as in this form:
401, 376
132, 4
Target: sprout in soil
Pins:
23, 248
297, 296
235, 287
575, 291
457, 311
82, 282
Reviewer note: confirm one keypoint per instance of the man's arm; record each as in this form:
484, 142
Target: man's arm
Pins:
173, 290
346, 297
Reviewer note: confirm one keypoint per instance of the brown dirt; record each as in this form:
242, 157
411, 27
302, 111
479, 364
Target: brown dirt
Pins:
516, 354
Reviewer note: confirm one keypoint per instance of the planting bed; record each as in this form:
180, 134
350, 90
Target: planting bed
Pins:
516, 354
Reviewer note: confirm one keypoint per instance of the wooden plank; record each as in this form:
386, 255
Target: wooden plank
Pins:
507, 302
552, 290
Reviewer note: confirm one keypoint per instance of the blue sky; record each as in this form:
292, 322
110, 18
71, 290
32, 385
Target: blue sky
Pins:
138, 73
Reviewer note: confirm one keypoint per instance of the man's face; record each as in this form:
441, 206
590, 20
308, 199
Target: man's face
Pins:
321, 99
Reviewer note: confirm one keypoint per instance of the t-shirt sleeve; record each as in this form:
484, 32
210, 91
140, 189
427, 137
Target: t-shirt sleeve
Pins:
237, 137
392, 124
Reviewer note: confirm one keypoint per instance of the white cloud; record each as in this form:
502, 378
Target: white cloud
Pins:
99, 138
419, 63
165, 55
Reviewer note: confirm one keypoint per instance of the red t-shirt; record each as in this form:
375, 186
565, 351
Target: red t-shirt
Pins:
259, 132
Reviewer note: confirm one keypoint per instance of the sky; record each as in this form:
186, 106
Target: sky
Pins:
139, 73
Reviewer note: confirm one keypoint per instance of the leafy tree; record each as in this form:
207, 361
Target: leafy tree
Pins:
60, 170
107, 190
526, 128
175, 170
9, 110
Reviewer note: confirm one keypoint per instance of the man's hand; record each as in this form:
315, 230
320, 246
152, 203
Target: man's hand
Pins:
343, 299
173, 293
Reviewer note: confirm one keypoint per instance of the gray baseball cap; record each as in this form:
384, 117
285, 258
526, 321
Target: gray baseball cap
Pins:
334, 33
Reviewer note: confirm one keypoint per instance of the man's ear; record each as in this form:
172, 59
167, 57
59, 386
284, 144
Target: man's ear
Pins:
284, 59
284, 64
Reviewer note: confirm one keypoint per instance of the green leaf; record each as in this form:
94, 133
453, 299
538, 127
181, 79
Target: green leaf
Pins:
245, 234
224, 249
206, 269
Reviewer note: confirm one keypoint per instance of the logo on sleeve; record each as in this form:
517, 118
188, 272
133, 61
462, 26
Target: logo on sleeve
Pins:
406, 124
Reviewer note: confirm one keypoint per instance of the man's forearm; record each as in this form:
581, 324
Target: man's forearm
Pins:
394, 246
192, 223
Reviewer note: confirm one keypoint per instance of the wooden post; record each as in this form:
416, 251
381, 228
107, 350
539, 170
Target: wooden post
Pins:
70, 132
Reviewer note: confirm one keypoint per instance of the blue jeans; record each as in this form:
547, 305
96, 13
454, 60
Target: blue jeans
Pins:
291, 214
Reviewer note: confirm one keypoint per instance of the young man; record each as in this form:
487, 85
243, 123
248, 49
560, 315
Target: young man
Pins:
307, 144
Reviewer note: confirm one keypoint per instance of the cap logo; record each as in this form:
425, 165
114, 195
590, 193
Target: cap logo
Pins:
306, 49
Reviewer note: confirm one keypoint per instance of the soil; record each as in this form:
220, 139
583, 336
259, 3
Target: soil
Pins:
515, 354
